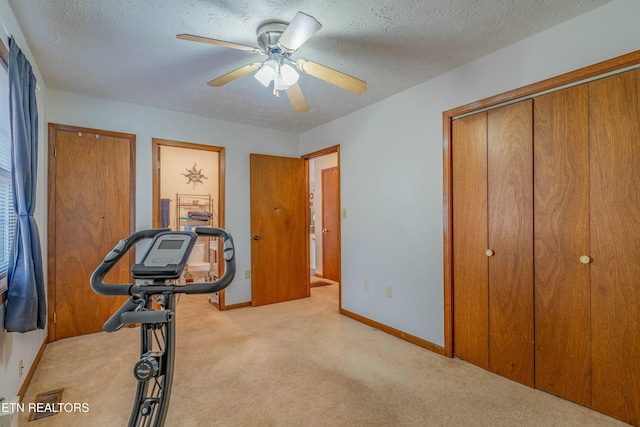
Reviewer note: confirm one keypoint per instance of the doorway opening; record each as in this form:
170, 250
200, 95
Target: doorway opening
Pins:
188, 191
323, 188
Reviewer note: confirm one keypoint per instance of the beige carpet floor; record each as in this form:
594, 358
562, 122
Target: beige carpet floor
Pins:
320, 281
298, 363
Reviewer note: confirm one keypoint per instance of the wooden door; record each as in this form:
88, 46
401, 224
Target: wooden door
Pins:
614, 128
510, 234
471, 267
330, 225
562, 281
279, 251
93, 181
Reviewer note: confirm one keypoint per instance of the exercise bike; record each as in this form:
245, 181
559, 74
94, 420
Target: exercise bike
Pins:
156, 274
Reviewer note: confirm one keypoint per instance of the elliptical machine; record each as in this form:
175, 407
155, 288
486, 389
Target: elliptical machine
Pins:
163, 262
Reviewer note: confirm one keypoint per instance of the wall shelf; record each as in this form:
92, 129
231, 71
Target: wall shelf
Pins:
194, 210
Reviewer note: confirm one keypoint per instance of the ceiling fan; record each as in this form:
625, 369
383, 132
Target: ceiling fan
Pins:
278, 42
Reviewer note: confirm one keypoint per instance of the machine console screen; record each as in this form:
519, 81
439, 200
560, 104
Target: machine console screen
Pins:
169, 248
170, 244
166, 257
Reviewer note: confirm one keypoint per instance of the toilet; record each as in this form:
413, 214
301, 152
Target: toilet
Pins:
196, 266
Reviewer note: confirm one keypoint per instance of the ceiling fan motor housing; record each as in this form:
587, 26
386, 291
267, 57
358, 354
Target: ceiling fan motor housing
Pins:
268, 36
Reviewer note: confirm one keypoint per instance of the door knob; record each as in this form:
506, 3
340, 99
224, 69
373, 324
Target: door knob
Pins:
325, 230
489, 252
585, 259
256, 237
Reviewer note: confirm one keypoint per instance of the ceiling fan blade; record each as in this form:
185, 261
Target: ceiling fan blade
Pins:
332, 76
217, 42
296, 98
300, 29
234, 74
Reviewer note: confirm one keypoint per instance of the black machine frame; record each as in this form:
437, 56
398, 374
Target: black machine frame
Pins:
154, 369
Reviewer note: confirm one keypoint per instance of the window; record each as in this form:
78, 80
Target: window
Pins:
7, 214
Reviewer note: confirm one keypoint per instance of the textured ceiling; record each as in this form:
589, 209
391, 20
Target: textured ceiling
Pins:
127, 49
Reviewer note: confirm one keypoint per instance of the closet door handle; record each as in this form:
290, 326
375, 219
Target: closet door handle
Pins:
489, 252
585, 259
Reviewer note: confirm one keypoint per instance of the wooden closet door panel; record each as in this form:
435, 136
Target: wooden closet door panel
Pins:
510, 202
561, 212
92, 212
614, 117
470, 266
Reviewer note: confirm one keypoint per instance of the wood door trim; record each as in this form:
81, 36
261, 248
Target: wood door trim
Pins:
155, 187
323, 152
604, 67
307, 158
572, 77
51, 207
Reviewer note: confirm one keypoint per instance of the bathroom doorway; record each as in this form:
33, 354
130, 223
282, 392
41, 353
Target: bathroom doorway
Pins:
188, 191
323, 179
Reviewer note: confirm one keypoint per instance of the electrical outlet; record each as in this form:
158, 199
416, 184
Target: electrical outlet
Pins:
344, 214
366, 285
21, 368
388, 290
247, 274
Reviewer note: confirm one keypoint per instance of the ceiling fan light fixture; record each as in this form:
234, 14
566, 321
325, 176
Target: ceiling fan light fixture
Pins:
279, 83
289, 75
282, 73
267, 72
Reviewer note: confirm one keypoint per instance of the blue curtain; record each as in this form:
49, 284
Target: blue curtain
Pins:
26, 307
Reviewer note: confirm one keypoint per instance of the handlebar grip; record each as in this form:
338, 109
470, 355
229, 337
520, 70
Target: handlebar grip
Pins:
112, 258
150, 316
228, 253
212, 231
114, 323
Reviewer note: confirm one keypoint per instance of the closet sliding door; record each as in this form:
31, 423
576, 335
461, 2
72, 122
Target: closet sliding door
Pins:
562, 282
548, 190
493, 240
614, 118
510, 226
471, 268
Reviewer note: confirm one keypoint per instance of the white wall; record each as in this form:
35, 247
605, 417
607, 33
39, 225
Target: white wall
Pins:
391, 165
147, 123
15, 347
